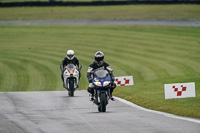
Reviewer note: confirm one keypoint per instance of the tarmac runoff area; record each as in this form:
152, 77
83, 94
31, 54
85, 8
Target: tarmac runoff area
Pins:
55, 111
106, 22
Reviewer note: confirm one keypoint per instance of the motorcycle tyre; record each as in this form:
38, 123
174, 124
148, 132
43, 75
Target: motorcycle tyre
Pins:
71, 88
102, 106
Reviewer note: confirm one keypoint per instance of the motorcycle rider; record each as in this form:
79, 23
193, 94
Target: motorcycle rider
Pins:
70, 59
99, 64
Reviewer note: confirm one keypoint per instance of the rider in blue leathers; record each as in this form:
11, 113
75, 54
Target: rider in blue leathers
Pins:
99, 64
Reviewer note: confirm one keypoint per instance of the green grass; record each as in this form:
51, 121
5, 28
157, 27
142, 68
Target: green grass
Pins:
155, 55
148, 12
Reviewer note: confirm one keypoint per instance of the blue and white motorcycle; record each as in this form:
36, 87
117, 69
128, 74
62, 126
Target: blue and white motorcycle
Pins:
102, 85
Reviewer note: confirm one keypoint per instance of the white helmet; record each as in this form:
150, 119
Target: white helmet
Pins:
70, 54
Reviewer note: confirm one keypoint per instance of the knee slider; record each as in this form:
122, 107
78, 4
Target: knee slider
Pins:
90, 90
113, 85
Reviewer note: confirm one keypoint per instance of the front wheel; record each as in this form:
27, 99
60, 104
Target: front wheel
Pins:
103, 101
71, 88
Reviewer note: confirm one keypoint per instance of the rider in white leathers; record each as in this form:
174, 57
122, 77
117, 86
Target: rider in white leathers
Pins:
70, 59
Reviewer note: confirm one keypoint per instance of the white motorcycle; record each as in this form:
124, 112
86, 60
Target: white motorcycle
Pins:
71, 79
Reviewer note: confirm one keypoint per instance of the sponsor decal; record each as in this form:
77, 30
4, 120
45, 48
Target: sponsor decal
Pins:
179, 90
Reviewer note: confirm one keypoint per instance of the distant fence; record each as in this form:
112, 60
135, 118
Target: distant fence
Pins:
96, 3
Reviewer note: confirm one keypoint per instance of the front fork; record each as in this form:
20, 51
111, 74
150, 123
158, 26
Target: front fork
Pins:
97, 95
67, 82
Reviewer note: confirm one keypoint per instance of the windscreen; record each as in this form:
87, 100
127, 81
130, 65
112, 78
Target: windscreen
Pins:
101, 73
70, 66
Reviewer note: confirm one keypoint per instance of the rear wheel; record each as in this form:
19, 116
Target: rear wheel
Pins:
71, 88
102, 106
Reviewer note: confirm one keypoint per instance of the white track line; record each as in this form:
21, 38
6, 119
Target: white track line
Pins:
158, 112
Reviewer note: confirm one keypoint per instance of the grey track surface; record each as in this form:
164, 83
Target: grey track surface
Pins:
106, 22
54, 111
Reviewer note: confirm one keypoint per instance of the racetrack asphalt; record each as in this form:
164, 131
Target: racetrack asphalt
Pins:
55, 111
106, 22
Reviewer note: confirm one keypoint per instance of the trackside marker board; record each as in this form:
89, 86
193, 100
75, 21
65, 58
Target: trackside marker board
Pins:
179, 90
124, 80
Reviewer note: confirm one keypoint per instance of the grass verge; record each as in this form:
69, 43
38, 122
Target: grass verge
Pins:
148, 12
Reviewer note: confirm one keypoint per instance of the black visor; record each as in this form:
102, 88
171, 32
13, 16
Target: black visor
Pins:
70, 56
99, 58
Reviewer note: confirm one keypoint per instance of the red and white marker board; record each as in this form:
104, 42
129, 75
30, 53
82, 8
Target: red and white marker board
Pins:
179, 90
124, 80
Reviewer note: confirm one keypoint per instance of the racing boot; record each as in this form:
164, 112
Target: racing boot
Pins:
63, 85
112, 98
91, 91
111, 91
62, 80
91, 97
